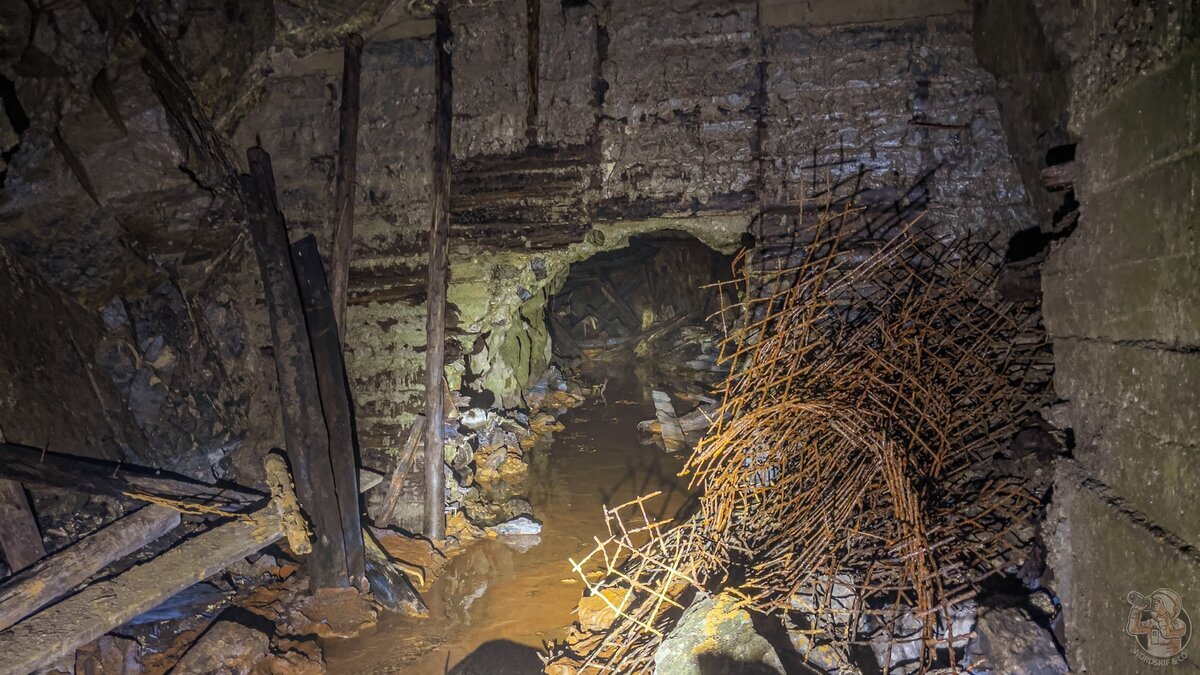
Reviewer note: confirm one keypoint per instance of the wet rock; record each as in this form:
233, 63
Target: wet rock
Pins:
412, 550
487, 513
228, 648
334, 613
1008, 640
294, 657
461, 529
520, 534
109, 655
715, 636
519, 526
597, 612
543, 422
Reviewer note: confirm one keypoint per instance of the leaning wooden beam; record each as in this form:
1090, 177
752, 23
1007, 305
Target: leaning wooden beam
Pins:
60, 629
19, 536
347, 173
305, 433
96, 476
439, 245
387, 512
335, 400
60, 573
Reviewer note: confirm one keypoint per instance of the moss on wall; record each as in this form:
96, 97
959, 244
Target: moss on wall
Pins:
486, 287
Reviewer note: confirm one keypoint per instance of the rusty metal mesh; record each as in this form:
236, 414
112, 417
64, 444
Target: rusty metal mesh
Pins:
873, 379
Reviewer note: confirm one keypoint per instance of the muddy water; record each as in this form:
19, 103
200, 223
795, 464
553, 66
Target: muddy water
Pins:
495, 605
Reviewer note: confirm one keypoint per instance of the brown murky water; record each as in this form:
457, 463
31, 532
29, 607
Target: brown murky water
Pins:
495, 606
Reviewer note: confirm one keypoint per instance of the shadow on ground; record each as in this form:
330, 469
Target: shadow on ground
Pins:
500, 657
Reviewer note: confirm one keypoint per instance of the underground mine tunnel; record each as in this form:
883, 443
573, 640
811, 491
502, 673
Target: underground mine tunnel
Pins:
679, 337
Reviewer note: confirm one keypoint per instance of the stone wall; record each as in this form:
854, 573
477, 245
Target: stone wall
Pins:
1121, 301
628, 117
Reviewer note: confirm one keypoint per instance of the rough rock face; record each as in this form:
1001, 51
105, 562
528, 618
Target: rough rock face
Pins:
1120, 300
626, 118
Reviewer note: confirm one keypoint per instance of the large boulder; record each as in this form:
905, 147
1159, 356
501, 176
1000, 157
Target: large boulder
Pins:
1008, 640
715, 636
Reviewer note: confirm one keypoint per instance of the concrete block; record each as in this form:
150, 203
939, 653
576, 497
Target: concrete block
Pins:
1135, 413
1152, 119
1099, 555
1131, 271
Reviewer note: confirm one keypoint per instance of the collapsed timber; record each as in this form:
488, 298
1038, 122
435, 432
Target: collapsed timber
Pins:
849, 485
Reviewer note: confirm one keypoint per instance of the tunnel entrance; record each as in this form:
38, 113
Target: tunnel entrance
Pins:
653, 307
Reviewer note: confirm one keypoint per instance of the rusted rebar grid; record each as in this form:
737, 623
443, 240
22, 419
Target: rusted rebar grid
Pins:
873, 378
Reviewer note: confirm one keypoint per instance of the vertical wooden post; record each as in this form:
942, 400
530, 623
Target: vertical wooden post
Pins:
335, 398
439, 244
347, 174
305, 433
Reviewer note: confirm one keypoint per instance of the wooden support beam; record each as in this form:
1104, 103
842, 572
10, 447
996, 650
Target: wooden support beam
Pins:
347, 174
60, 573
60, 629
335, 400
20, 538
305, 433
439, 244
57, 631
113, 479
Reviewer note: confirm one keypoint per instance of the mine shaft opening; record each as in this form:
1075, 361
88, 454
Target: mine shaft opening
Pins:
648, 314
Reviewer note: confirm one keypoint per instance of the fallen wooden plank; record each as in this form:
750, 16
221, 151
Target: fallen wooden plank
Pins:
305, 433
58, 630
335, 400
20, 538
102, 477
390, 581
60, 573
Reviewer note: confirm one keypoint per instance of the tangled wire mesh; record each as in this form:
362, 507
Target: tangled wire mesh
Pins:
847, 478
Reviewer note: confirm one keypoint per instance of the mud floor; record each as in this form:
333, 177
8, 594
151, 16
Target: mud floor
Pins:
496, 605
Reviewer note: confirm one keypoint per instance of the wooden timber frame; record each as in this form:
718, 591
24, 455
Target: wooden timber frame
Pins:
306, 432
439, 243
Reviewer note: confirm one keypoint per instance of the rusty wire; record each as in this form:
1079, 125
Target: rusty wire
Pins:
872, 380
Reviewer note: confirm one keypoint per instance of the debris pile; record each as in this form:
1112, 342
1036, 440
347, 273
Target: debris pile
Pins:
487, 464
850, 485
